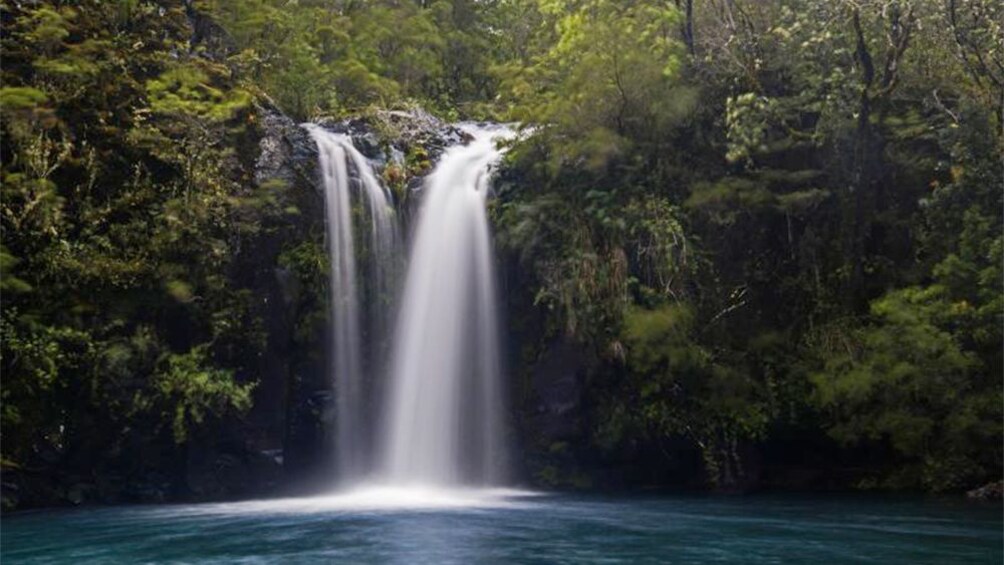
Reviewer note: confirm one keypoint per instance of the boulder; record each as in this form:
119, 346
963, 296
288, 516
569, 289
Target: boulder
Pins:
989, 491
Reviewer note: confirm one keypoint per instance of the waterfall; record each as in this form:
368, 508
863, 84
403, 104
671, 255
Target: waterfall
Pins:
443, 416
337, 158
443, 422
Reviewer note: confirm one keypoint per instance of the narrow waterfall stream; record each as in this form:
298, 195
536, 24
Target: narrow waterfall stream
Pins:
337, 158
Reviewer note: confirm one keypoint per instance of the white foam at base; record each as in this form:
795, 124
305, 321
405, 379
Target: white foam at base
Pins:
376, 498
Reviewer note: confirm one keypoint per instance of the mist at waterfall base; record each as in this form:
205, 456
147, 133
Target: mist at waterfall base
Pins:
439, 437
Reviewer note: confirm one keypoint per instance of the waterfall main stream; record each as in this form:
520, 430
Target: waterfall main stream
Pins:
444, 416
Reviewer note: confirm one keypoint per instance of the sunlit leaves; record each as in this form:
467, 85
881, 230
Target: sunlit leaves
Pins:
21, 98
603, 81
187, 90
187, 389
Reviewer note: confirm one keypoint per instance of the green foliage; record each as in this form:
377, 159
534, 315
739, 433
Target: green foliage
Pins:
786, 217
923, 377
21, 97
676, 387
604, 81
309, 262
908, 381
122, 216
315, 58
582, 281
36, 358
186, 388
185, 91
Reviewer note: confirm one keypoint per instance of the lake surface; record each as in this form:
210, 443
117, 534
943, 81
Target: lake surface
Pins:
385, 526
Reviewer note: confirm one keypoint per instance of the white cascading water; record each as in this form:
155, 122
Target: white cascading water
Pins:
444, 423
337, 157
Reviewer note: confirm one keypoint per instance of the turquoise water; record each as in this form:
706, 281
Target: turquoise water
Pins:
514, 528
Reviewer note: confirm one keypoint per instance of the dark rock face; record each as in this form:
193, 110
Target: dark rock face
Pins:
557, 383
556, 423
292, 365
212, 475
553, 416
286, 152
740, 470
309, 457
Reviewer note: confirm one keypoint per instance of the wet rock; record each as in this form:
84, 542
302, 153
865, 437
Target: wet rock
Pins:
286, 151
369, 145
220, 476
386, 133
990, 491
739, 470
414, 128
228, 466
